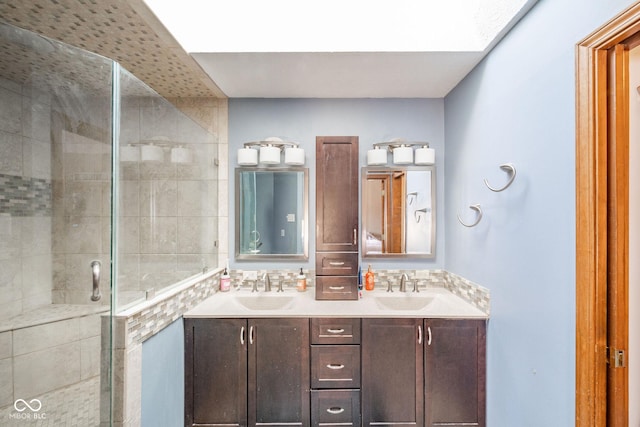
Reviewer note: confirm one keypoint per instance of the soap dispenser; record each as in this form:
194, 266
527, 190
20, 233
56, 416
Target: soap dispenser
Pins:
301, 282
369, 280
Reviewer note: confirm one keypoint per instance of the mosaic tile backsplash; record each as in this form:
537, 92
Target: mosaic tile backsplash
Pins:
20, 196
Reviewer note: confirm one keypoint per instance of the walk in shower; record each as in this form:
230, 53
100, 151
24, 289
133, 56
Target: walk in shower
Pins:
107, 196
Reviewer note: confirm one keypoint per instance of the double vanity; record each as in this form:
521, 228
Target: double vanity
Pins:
327, 356
288, 359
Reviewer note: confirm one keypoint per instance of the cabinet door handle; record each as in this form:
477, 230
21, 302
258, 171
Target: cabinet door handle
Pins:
335, 410
251, 335
242, 335
335, 366
336, 288
336, 263
335, 331
355, 236
428, 335
419, 334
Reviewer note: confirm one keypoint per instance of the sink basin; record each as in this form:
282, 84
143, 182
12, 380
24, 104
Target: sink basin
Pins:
263, 302
406, 302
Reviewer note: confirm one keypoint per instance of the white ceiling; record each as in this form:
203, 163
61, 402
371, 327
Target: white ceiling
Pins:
338, 48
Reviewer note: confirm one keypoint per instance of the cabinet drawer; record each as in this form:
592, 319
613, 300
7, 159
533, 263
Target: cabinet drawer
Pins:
337, 263
335, 331
335, 366
335, 407
336, 287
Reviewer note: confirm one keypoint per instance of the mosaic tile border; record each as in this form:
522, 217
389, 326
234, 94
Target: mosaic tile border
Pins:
147, 319
469, 291
20, 196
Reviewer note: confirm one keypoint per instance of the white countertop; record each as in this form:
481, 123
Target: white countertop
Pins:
429, 303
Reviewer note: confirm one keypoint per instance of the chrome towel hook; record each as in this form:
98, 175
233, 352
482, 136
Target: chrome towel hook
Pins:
508, 168
478, 210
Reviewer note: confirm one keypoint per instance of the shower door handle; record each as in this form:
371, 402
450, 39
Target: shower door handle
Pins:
95, 271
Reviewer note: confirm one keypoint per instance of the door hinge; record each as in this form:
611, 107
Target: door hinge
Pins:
616, 358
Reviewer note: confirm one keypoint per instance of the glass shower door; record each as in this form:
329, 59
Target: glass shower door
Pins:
55, 232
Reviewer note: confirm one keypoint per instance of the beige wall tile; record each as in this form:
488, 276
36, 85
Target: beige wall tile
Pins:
45, 370
6, 382
45, 336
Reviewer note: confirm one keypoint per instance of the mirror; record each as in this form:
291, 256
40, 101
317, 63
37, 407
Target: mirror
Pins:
271, 213
398, 212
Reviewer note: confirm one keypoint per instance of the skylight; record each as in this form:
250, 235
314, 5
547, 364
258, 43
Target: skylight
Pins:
335, 25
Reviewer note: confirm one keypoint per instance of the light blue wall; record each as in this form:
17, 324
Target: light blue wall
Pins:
163, 377
518, 106
372, 120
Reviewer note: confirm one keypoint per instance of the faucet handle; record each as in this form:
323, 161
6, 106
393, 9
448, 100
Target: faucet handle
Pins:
389, 287
267, 282
415, 286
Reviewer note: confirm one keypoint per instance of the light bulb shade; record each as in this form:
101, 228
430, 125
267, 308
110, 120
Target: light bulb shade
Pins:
181, 155
151, 153
403, 155
269, 155
130, 153
377, 156
247, 156
294, 156
425, 156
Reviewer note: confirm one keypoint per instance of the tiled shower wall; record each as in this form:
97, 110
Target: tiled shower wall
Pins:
25, 199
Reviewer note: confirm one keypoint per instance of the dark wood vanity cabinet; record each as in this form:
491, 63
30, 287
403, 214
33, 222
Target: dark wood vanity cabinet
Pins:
455, 372
335, 372
337, 194
247, 372
392, 372
337, 226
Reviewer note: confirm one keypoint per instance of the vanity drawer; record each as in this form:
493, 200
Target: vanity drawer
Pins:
337, 263
336, 287
335, 331
335, 407
335, 366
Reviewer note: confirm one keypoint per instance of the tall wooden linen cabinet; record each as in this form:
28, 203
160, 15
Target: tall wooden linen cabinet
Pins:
337, 218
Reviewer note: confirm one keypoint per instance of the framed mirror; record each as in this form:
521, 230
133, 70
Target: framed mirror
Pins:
398, 212
272, 213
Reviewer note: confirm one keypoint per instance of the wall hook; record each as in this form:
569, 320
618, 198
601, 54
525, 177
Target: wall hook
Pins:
478, 210
417, 213
508, 168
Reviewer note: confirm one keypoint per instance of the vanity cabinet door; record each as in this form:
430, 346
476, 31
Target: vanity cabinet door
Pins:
455, 372
337, 194
392, 372
215, 372
279, 372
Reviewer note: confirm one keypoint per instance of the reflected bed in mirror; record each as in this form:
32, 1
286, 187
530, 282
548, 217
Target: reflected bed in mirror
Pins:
272, 213
398, 212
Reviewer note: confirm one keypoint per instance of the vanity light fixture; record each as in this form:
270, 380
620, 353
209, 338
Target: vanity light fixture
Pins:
268, 152
153, 150
130, 153
181, 155
425, 155
403, 153
151, 153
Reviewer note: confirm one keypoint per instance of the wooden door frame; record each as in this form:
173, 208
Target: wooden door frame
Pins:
602, 137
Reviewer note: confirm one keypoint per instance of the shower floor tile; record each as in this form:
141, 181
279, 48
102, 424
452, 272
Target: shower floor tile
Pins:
76, 405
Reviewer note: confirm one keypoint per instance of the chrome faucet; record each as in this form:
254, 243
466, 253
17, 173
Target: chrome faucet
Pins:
403, 282
267, 282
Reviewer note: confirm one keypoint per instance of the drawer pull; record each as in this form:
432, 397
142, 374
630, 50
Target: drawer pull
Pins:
335, 331
336, 288
335, 366
336, 263
335, 410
